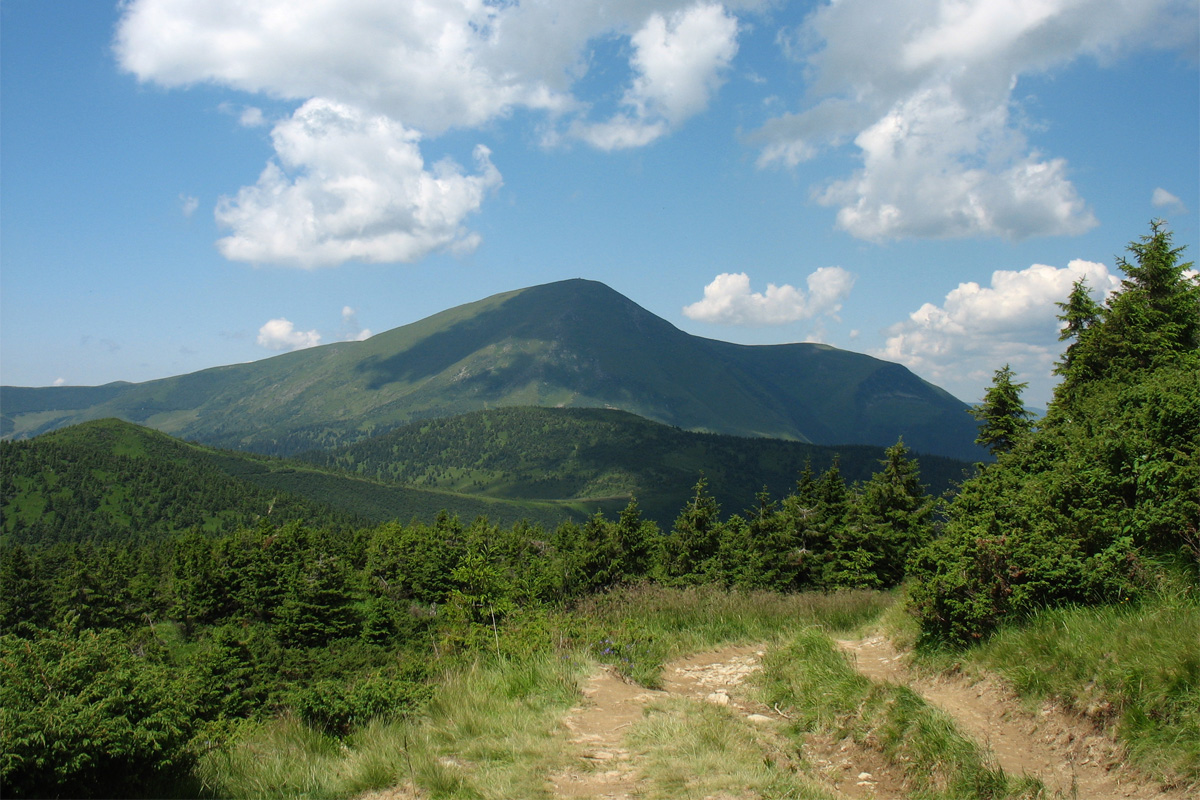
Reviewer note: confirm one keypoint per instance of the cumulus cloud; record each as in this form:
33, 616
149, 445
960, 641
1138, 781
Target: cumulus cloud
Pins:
924, 90
281, 334
728, 300
679, 61
347, 185
375, 77
977, 329
1164, 199
434, 66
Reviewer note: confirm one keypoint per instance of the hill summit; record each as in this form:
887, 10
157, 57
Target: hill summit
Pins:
574, 343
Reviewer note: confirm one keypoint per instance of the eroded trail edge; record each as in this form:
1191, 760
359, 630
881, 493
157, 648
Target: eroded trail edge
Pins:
1070, 758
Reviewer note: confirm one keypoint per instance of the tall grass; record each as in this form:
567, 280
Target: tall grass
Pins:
489, 731
638, 629
1132, 667
822, 692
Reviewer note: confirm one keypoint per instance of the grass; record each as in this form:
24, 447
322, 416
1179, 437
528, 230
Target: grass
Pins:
491, 727
490, 731
1133, 668
639, 629
700, 750
822, 693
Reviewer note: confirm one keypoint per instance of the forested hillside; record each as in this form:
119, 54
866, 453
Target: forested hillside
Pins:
604, 457
113, 479
126, 661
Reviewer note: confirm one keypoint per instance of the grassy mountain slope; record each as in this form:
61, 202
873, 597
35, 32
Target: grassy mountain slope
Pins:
574, 343
112, 478
601, 457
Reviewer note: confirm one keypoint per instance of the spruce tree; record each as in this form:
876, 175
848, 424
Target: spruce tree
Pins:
1080, 314
1002, 416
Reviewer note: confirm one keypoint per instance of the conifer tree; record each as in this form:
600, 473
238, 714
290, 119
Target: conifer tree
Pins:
896, 510
691, 549
1155, 315
1080, 313
1002, 416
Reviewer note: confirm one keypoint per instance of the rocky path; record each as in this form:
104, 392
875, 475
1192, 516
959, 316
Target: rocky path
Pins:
1072, 761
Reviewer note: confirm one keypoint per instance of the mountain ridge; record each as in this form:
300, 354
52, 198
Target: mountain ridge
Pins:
574, 343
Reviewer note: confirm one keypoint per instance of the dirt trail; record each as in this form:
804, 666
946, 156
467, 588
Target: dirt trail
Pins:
604, 767
1071, 760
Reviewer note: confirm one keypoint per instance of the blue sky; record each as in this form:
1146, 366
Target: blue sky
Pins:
190, 183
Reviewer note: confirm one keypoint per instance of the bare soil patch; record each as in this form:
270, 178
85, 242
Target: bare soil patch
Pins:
1068, 754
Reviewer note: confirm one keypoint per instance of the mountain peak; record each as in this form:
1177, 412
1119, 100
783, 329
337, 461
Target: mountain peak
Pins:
575, 343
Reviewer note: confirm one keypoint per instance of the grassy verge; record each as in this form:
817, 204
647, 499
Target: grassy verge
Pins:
822, 692
1134, 668
490, 731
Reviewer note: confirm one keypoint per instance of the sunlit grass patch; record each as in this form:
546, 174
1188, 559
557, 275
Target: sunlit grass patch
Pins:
1132, 666
489, 731
822, 692
690, 749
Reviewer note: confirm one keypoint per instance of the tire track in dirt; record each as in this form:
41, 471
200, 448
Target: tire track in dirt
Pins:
1069, 756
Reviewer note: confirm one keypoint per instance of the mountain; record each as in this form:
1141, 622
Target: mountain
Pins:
599, 458
113, 479
573, 343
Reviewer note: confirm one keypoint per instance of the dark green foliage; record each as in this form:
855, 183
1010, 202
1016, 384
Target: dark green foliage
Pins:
690, 550
1076, 511
598, 458
83, 716
1002, 417
1153, 318
25, 598
111, 479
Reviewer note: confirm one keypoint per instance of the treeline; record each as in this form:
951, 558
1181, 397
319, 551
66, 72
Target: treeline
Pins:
125, 661
1084, 506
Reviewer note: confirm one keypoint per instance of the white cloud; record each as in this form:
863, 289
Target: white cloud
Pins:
252, 117
1164, 199
978, 329
188, 204
351, 186
60, 381
680, 62
281, 334
351, 330
728, 300
431, 65
924, 90
374, 77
